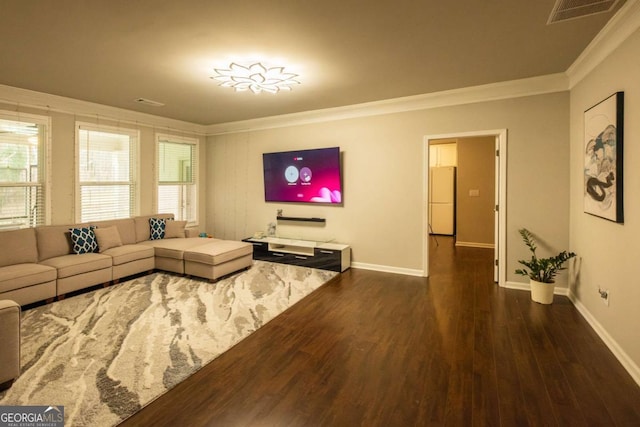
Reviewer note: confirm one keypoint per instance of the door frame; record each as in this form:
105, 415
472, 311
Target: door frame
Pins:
500, 194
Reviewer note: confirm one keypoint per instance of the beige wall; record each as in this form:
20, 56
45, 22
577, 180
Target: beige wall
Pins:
382, 216
475, 197
609, 252
62, 169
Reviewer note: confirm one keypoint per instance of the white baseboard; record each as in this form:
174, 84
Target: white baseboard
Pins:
475, 245
521, 286
387, 269
615, 348
517, 285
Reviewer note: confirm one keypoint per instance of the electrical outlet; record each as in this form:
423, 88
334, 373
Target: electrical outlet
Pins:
605, 295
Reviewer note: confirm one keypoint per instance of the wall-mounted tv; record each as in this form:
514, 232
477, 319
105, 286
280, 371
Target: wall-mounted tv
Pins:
305, 176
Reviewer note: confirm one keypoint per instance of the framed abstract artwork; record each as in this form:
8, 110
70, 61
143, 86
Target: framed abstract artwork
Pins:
603, 159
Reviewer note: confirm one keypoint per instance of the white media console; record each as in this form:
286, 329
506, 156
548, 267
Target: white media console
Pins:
308, 253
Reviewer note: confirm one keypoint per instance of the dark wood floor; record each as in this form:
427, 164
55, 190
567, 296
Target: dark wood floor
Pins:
378, 349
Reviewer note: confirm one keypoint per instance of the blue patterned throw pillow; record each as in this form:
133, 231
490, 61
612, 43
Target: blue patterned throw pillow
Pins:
157, 226
84, 240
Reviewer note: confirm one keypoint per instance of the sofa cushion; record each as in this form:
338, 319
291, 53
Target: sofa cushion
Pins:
107, 237
127, 253
191, 232
22, 275
18, 247
174, 248
53, 241
71, 265
218, 251
83, 239
175, 229
10, 339
126, 229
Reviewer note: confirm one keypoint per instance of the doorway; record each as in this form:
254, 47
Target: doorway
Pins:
499, 215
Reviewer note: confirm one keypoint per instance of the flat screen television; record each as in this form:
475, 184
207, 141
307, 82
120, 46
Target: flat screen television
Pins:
303, 176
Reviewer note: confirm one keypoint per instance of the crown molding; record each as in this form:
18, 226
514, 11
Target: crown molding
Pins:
60, 104
489, 92
623, 24
620, 27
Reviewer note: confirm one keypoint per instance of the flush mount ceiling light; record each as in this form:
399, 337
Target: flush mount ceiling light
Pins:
256, 78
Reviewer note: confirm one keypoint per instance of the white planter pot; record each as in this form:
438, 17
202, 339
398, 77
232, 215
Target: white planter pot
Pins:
541, 292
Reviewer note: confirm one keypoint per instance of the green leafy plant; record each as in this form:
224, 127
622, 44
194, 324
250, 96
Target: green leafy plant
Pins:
541, 269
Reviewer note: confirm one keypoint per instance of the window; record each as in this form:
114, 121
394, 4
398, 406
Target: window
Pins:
177, 177
107, 171
22, 170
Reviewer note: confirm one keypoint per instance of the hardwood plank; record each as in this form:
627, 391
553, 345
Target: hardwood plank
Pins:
380, 349
538, 406
602, 369
561, 397
511, 400
586, 392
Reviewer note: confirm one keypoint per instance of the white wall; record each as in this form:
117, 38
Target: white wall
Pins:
382, 216
608, 251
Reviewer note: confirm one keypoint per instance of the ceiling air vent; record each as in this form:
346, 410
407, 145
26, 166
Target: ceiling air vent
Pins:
565, 10
150, 102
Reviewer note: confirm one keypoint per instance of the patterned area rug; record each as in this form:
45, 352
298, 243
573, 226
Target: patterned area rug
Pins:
105, 354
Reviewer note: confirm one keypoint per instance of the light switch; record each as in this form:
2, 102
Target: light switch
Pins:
474, 193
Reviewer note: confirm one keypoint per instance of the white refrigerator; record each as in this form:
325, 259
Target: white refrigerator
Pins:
442, 197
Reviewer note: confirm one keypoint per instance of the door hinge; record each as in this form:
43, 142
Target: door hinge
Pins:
497, 208
497, 153
496, 263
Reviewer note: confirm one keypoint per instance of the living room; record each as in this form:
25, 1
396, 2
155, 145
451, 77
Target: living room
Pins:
383, 158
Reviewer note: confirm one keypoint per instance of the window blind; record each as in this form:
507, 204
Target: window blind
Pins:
22, 177
106, 174
177, 177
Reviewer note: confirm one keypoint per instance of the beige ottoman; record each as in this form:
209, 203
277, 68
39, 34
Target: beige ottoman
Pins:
218, 258
10, 340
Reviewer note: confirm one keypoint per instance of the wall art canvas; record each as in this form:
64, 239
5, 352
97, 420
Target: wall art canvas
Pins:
603, 155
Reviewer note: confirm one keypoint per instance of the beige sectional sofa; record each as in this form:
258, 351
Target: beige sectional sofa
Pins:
40, 263
10, 339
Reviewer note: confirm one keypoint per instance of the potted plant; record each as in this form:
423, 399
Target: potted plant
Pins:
541, 271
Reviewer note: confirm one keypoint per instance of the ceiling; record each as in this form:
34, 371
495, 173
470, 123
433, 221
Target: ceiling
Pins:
346, 52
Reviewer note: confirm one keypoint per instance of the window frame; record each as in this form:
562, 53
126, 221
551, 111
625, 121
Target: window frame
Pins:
193, 141
134, 166
45, 163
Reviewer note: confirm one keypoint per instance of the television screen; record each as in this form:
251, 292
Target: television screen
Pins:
308, 176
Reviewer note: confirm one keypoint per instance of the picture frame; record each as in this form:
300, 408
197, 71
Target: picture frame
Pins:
603, 159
